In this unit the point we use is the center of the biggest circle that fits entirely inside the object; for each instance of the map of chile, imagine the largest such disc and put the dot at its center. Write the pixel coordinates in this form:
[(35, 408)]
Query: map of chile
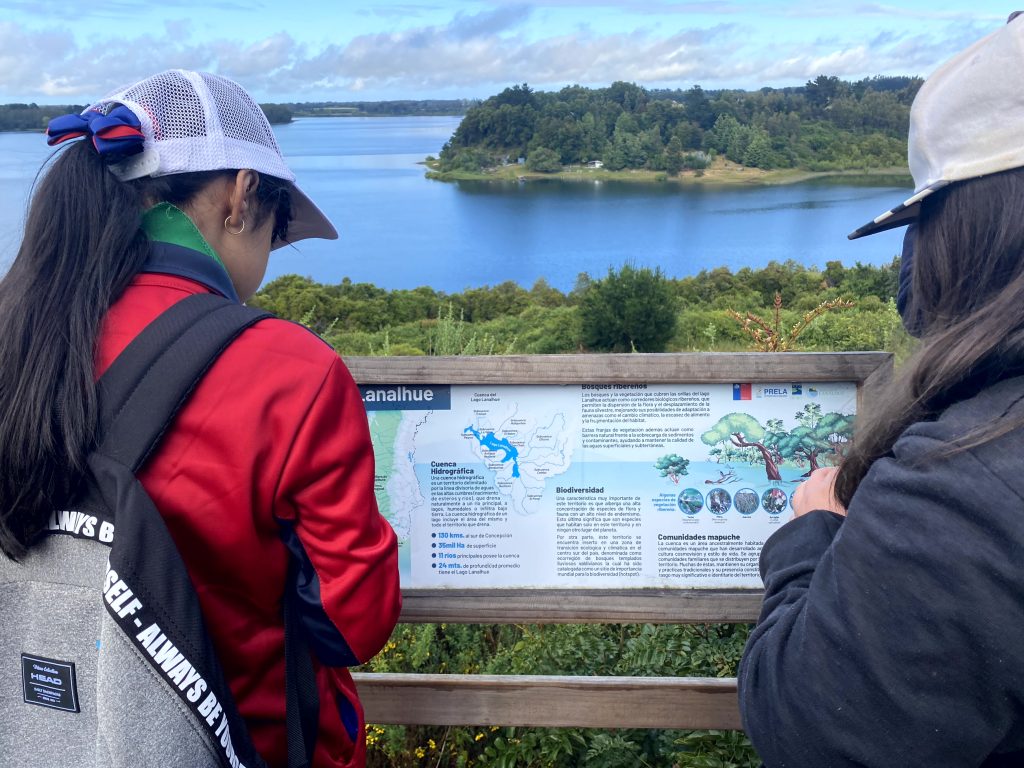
[(491, 443)]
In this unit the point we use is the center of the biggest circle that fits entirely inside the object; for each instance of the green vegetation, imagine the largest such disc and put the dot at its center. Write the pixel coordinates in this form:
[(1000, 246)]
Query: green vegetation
[(770, 336), (34, 117), (632, 308), (277, 113), (635, 650), (544, 160), (827, 125), (403, 108)]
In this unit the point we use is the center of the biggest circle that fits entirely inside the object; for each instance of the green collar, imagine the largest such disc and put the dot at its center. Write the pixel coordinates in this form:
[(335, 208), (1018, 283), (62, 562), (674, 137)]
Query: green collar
[(164, 223)]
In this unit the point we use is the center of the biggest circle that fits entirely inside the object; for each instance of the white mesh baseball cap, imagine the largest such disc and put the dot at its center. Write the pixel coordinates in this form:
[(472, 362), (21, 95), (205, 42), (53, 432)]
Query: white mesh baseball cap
[(966, 121), (195, 121)]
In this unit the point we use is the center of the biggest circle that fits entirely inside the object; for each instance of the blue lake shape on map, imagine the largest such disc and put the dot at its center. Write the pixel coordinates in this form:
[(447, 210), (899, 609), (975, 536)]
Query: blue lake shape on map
[(492, 443)]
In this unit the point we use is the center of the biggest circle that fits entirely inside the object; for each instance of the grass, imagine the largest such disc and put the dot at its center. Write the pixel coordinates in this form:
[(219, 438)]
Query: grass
[(721, 171)]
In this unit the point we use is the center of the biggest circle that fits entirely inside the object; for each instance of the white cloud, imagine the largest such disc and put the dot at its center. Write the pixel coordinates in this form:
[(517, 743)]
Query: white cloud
[(892, 11), (121, 9), (256, 64), (472, 55)]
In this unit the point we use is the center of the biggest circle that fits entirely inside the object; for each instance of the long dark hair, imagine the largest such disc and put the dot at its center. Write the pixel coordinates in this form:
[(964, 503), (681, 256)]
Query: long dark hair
[(967, 297), (82, 246)]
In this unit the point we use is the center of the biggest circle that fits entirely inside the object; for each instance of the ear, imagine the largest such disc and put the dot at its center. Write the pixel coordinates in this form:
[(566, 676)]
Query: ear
[(242, 194)]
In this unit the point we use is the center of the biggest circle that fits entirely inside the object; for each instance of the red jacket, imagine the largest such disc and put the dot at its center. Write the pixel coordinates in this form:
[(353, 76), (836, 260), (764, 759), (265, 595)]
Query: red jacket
[(272, 449)]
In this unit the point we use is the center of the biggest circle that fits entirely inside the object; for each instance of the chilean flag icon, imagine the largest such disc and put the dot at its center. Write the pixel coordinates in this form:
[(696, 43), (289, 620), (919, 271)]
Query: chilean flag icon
[(742, 391)]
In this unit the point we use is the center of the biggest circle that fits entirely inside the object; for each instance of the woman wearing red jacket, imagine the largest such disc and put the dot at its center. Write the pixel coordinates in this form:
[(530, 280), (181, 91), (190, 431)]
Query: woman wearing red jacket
[(179, 188)]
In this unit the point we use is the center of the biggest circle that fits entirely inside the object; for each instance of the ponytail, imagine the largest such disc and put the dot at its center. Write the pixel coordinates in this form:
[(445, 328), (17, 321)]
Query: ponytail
[(82, 245)]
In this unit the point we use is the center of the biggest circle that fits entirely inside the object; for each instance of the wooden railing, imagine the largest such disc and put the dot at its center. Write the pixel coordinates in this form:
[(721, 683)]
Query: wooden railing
[(561, 701)]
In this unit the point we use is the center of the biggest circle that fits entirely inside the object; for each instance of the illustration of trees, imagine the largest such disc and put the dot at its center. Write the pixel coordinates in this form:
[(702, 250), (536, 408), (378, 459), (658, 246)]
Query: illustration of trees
[(726, 454), (672, 466), (803, 444), (774, 430), (744, 431), (836, 429), (817, 434), (809, 416)]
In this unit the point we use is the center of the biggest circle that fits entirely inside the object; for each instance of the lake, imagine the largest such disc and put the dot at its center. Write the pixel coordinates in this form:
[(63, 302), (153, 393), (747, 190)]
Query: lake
[(401, 230)]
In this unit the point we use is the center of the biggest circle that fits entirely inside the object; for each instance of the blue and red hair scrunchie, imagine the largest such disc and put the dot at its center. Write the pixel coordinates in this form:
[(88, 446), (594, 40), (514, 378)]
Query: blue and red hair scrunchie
[(115, 135)]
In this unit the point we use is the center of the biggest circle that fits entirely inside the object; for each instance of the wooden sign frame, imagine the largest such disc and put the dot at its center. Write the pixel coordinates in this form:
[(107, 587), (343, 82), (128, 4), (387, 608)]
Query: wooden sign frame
[(868, 370)]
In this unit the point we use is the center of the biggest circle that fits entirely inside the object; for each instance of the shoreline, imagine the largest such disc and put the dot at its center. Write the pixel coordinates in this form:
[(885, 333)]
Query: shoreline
[(720, 172)]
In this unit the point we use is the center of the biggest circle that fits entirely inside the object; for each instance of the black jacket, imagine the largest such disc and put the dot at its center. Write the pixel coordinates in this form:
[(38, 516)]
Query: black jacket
[(896, 637)]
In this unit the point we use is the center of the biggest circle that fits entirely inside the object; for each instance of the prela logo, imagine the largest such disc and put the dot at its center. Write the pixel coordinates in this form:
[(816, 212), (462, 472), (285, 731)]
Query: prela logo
[(772, 390)]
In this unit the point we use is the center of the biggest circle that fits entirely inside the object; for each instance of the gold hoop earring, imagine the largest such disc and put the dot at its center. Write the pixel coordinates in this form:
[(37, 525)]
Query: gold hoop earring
[(227, 226)]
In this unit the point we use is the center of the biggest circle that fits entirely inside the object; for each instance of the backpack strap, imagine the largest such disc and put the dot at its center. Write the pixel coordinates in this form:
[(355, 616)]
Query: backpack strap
[(302, 697), (143, 389), (139, 396)]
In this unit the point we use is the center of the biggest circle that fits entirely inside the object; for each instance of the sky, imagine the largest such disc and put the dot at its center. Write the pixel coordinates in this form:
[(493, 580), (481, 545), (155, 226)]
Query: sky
[(340, 50)]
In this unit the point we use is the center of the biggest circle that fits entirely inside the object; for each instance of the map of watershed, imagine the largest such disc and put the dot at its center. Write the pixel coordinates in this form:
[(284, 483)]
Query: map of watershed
[(519, 451), (522, 450)]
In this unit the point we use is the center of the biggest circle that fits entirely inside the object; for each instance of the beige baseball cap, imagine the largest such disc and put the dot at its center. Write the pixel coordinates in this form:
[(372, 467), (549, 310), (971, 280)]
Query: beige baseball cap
[(966, 121)]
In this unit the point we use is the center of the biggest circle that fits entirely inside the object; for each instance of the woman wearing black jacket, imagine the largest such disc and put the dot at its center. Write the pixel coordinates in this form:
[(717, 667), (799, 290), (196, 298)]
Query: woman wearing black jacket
[(894, 602)]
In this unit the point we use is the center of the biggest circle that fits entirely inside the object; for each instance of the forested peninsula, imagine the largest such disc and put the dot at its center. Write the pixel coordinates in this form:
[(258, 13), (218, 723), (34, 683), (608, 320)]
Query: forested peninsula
[(626, 131), (34, 117)]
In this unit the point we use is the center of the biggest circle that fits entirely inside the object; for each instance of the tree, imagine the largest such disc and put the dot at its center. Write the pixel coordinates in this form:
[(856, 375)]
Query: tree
[(674, 156), (629, 310), (823, 89), (723, 134), (672, 466), (698, 108), (630, 96), (743, 431), (276, 113), (758, 153), (516, 96), (614, 157), (544, 160)]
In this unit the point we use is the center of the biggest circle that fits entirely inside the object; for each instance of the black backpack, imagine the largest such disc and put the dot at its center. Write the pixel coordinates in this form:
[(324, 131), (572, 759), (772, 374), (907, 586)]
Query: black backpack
[(104, 655)]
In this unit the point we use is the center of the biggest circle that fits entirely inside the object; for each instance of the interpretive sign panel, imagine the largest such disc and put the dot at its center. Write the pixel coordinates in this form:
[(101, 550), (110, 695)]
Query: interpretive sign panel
[(604, 485)]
